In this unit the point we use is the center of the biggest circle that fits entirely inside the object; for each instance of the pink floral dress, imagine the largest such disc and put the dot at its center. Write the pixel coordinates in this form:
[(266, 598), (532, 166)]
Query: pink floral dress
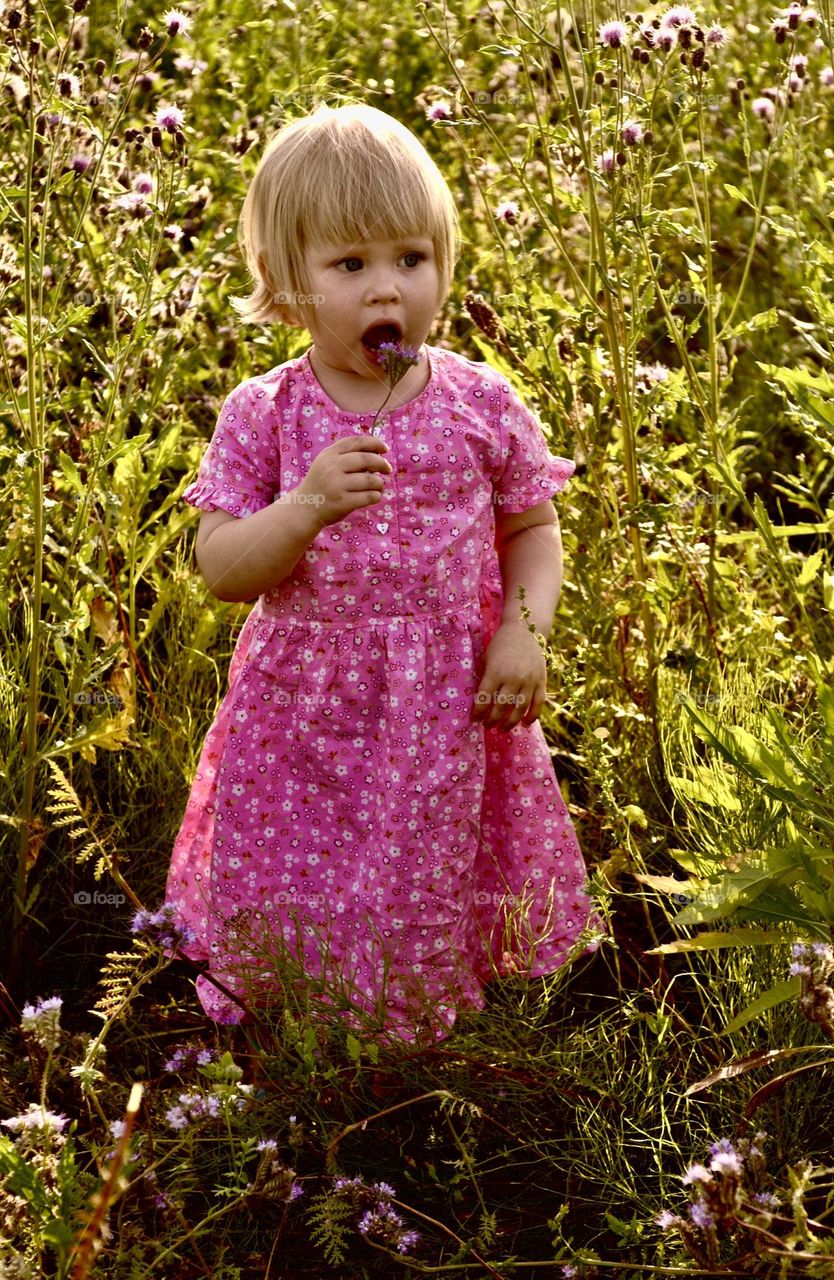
[(343, 785)]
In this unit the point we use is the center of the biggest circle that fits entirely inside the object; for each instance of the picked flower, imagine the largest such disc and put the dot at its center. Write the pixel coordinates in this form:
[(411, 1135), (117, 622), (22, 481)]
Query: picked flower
[(396, 360)]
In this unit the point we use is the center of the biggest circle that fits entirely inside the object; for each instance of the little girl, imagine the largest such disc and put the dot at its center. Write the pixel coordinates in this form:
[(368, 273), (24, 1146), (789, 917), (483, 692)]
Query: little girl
[(375, 794)]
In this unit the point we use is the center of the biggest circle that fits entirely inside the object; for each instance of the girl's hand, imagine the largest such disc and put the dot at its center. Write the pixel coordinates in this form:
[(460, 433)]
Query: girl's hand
[(346, 475), (514, 684)]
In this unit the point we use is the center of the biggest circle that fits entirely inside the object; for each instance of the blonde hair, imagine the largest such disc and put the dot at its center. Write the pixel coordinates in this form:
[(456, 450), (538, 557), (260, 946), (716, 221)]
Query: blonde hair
[(342, 174)]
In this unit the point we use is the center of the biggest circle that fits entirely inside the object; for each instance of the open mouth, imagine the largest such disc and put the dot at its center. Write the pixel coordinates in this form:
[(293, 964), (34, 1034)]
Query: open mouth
[(376, 334)]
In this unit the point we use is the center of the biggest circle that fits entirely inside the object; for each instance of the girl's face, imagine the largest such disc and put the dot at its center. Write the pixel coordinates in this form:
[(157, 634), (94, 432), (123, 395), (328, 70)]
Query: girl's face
[(371, 283)]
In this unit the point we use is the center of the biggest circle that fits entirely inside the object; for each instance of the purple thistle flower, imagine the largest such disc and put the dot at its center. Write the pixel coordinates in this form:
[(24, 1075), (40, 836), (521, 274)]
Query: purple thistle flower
[(632, 132), (296, 1190), (612, 34), (80, 163), (763, 108), (143, 182), (170, 118), (606, 162), (439, 111), (678, 16), (176, 22), (717, 36)]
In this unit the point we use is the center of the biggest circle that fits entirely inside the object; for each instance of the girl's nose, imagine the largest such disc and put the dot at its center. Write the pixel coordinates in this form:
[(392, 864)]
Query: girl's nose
[(383, 289)]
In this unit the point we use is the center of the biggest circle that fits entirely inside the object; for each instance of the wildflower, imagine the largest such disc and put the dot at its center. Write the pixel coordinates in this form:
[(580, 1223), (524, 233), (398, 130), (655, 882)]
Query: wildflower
[(385, 1222), (665, 1219), (798, 969), (143, 182), (607, 161), (632, 132), (482, 314), (170, 118), (192, 1106), (701, 1216), (678, 16), (80, 163), (172, 232), (267, 1144), (507, 211), (439, 111), (793, 13), (726, 1162), (189, 1055), (799, 64), (716, 35), (696, 1173), (763, 108), (160, 926), (612, 34), (795, 83), (117, 1129), (69, 86), (43, 1021), (779, 28), (176, 22), (36, 1117), (648, 375), (396, 359)]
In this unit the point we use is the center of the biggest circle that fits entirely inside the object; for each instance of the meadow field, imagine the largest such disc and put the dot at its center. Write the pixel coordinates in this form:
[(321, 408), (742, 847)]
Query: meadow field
[(646, 204)]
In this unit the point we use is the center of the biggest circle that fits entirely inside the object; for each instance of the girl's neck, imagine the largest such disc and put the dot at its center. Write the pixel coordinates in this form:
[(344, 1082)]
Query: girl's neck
[(359, 395)]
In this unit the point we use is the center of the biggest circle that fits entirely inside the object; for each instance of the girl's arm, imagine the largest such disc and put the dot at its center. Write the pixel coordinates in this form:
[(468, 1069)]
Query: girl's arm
[(241, 558), (513, 687), (529, 548)]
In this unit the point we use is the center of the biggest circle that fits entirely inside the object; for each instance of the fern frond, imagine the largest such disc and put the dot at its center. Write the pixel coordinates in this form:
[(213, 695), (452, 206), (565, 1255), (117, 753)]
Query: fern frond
[(330, 1217), (122, 975), (68, 811)]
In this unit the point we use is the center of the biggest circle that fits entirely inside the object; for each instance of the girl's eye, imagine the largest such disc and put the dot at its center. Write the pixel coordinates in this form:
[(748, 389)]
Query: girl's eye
[(414, 253), (343, 260)]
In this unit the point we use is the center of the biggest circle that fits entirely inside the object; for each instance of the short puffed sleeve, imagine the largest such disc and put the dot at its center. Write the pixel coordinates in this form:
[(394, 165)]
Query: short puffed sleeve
[(240, 470), (530, 473)]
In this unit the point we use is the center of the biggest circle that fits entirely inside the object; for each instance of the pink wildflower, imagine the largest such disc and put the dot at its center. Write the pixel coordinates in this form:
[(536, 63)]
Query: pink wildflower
[(176, 22), (612, 34), (763, 108), (439, 111), (507, 211), (632, 132), (169, 118), (606, 161)]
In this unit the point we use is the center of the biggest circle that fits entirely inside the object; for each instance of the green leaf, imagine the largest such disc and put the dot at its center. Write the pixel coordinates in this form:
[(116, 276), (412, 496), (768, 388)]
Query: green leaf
[(710, 789), (738, 195), (779, 994), (354, 1048), (71, 472), (809, 570), (726, 938)]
